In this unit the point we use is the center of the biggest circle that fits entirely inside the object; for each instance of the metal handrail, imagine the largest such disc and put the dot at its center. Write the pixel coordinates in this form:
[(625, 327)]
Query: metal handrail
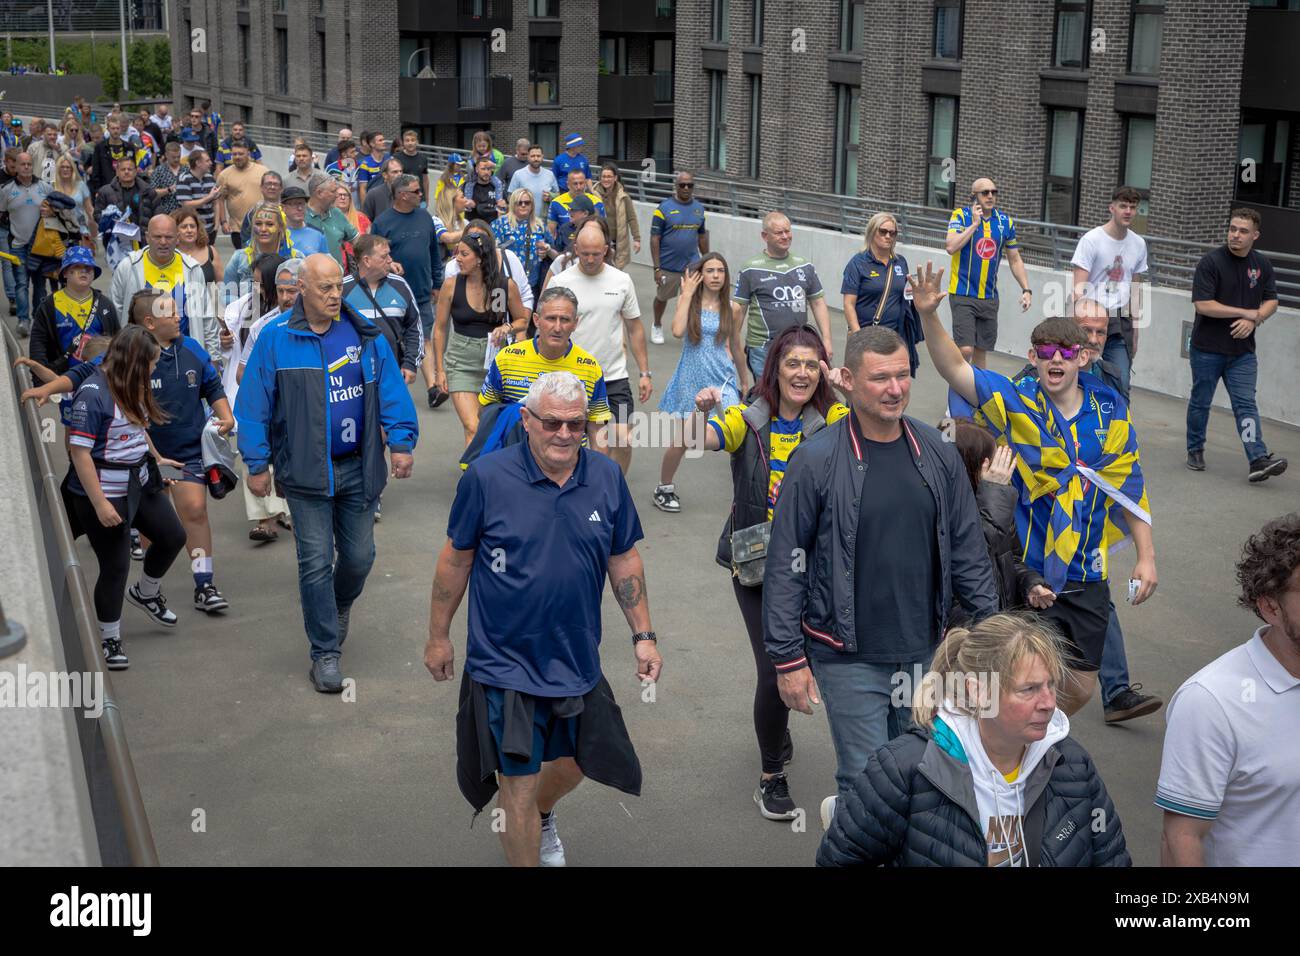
[(103, 741)]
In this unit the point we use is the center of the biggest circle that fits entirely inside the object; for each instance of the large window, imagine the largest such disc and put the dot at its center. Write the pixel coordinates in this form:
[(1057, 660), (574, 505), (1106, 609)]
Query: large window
[(852, 26), (245, 58), (1071, 34), (320, 64), (755, 125), (1264, 157), (282, 62), (661, 143), (188, 46), (472, 72), (543, 8), (613, 55), (545, 135), (947, 29), (717, 120), (1064, 148), (847, 129), (611, 140), (662, 66), (543, 70), (282, 120), (941, 176), (1144, 50), (720, 31), (1139, 149), (756, 13)]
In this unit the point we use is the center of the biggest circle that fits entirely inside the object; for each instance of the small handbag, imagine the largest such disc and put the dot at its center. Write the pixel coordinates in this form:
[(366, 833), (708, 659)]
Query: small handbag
[(749, 553)]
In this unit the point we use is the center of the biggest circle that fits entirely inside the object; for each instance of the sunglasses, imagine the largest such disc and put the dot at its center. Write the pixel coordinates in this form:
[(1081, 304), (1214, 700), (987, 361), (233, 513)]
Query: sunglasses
[(524, 202), (574, 426), (1049, 351), (686, 185), (988, 192), (887, 233)]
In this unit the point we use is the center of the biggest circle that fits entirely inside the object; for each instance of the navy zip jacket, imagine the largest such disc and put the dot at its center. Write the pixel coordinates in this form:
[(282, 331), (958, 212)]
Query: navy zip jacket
[(283, 406)]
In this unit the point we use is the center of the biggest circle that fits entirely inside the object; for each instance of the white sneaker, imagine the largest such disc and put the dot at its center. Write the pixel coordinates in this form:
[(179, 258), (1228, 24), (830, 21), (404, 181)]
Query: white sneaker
[(552, 849), (666, 499), (828, 811), (657, 334)]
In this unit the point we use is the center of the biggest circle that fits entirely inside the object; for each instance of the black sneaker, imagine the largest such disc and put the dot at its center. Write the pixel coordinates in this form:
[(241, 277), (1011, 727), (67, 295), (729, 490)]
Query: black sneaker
[(1196, 460), (1128, 704), (1261, 469), (787, 750), (325, 674), (773, 798), (137, 552), (155, 607), (666, 499), (114, 656), (208, 598), (13, 308)]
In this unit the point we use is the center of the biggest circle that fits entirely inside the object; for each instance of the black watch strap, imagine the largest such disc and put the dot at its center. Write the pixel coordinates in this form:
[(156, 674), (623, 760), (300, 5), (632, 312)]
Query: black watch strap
[(640, 636)]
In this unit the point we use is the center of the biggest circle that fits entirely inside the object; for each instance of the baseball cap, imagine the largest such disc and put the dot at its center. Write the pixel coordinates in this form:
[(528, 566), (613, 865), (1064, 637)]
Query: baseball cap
[(573, 139), (455, 159), (80, 256), (293, 192), (583, 203)]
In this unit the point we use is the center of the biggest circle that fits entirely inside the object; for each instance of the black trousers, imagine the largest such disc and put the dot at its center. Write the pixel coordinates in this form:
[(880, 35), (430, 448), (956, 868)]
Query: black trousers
[(771, 715), (156, 519)]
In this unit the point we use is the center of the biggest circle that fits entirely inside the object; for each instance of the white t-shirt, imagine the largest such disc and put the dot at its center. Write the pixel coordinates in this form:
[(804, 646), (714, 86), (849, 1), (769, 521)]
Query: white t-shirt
[(1232, 755), (1111, 264), (514, 269), (604, 301)]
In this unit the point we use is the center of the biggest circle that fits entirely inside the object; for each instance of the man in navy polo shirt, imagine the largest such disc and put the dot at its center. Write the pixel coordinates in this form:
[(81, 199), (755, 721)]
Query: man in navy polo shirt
[(536, 570)]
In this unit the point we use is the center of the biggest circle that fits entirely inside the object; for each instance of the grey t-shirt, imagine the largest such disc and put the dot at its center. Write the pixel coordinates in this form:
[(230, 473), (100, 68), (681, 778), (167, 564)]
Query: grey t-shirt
[(23, 203), (777, 293)]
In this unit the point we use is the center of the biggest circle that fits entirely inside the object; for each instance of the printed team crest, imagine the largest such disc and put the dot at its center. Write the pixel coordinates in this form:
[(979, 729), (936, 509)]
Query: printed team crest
[(1254, 276), (799, 273), (354, 354), (985, 247), (191, 378), (898, 270)]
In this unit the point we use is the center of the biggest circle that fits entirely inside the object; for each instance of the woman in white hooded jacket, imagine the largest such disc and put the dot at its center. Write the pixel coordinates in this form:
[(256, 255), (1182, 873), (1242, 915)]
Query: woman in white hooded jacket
[(988, 776)]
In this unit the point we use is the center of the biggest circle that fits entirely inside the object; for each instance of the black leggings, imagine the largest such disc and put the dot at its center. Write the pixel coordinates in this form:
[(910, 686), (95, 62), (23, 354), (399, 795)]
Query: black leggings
[(771, 715), (156, 520)]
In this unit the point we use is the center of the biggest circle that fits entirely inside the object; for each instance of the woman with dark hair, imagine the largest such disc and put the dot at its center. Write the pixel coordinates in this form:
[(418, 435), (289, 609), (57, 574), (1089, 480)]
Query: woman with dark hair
[(111, 486), (705, 317), (791, 402), (620, 212), (478, 302)]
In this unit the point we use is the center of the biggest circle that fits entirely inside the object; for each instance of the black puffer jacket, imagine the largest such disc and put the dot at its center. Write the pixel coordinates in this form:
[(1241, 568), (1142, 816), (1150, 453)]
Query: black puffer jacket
[(1011, 576), (914, 805)]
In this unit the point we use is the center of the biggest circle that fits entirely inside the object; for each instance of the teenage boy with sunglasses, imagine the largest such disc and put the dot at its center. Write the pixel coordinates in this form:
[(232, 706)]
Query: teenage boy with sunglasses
[(1080, 483)]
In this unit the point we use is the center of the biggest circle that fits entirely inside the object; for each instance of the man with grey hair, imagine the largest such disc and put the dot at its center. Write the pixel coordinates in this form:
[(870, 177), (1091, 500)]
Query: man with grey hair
[(778, 289), (540, 711), (322, 214)]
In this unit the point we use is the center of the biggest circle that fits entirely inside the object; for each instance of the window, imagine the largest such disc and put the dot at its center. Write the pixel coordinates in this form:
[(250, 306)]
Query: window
[(755, 125), (1277, 4), (281, 120), (1071, 34), (543, 71), (415, 54), (186, 44), (721, 32), (612, 136), (321, 126), (280, 6), (663, 70), (282, 61), (852, 26), (940, 180), (472, 72), (613, 55), (1264, 157), (244, 58), (1064, 146), (717, 120), (1144, 49), (320, 64), (661, 143), (947, 29), (847, 127), (545, 135), (543, 8), (1139, 148), (756, 14)]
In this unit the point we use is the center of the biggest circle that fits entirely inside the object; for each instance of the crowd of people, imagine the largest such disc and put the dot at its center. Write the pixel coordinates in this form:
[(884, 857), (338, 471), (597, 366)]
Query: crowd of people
[(863, 544)]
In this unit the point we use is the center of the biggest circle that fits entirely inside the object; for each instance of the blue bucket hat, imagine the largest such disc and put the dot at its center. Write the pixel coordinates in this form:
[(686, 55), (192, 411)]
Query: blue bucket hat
[(455, 159), (80, 256)]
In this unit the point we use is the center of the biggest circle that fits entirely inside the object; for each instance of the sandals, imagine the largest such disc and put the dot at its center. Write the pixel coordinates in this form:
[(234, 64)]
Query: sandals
[(284, 522), (259, 533)]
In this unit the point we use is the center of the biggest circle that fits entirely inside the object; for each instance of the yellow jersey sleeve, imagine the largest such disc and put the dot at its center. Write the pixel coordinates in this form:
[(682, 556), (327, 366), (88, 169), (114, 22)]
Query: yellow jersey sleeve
[(730, 426)]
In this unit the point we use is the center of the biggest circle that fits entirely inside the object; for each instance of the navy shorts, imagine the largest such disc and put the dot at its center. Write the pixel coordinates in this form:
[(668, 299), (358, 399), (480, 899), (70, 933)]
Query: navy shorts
[(553, 737)]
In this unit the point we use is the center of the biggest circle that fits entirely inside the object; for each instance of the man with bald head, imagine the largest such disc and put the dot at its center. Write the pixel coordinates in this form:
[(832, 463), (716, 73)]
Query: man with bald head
[(977, 236), (21, 198), (327, 445), (164, 268)]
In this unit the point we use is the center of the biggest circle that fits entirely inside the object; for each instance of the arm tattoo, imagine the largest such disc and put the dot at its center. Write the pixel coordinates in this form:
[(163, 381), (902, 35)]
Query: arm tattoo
[(629, 591)]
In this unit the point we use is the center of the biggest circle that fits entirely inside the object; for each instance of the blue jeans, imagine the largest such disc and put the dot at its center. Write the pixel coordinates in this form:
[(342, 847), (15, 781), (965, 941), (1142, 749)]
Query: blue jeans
[(858, 702), (6, 268), (757, 358), (1114, 662), (1116, 352), (21, 279), (322, 526), (1238, 373)]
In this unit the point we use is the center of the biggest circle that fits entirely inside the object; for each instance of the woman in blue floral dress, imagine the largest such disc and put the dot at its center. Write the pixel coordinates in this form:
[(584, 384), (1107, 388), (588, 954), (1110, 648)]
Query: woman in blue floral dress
[(705, 317)]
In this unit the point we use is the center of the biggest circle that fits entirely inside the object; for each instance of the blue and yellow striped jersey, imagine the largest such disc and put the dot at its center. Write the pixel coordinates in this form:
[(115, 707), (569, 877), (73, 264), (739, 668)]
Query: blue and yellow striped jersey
[(975, 265), (1068, 522), (517, 366)]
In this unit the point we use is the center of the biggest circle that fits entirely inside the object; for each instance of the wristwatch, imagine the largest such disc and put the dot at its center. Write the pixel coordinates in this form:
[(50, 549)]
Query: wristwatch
[(640, 636), (647, 375)]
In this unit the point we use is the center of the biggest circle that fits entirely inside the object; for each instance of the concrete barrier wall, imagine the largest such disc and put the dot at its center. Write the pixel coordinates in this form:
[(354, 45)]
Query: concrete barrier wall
[(1160, 365)]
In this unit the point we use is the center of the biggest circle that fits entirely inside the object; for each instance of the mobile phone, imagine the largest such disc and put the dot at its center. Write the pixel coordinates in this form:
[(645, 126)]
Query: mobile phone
[(171, 472), (1133, 586)]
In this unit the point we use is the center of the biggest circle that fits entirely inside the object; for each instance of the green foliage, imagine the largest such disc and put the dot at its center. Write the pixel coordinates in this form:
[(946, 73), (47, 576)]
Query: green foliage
[(148, 60)]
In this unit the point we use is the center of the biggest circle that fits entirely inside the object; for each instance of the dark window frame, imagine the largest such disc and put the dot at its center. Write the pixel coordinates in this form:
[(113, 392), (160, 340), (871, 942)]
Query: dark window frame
[(322, 52), (1279, 190), (935, 160), (716, 119), (720, 21), (1122, 177), (533, 136), (846, 153), (281, 37), (960, 6), (848, 36), (755, 158), (534, 44), (756, 14), (1075, 180), (1072, 6), (550, 5), (1144, 8)]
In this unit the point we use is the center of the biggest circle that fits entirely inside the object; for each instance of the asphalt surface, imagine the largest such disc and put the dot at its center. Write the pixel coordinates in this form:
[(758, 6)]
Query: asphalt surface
[(241, 762)]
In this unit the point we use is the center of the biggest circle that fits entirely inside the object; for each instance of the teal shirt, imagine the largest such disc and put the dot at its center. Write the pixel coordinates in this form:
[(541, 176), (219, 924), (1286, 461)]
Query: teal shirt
[(336, 227)]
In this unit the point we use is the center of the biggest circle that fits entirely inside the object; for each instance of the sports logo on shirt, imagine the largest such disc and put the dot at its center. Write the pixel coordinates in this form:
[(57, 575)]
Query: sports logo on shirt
[(191, 378), (985, 247), (354, 353), (1254, 276)]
